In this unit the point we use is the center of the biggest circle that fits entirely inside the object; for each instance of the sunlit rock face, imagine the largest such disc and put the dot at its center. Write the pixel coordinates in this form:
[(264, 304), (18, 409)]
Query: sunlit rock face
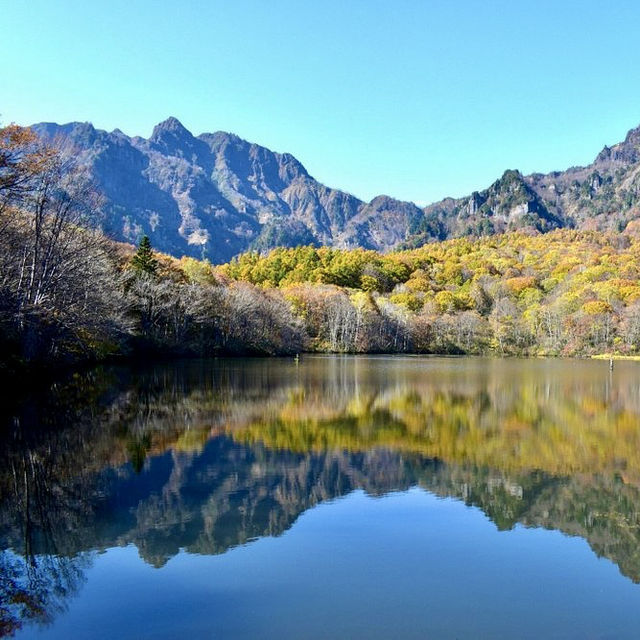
[(211, 196), (216, 195)]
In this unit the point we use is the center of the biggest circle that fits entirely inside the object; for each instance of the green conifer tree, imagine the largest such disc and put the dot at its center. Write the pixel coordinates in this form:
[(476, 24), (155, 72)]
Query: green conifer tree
[(143, 260)]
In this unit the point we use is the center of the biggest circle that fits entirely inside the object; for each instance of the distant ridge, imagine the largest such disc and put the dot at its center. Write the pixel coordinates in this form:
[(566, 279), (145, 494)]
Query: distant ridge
[(216, 195)]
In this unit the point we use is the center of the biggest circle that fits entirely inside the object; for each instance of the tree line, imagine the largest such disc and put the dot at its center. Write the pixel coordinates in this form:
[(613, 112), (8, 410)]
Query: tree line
[(68, 293), (564, 293)]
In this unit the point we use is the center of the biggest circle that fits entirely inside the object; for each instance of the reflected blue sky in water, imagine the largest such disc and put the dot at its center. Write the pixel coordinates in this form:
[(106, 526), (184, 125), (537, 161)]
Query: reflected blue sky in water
[(260, 499), (404, 565)]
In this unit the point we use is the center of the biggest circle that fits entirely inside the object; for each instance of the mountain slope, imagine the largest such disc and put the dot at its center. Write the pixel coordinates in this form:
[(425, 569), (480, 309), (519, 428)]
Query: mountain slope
[(211, 196), (217, 195), (604, 195)]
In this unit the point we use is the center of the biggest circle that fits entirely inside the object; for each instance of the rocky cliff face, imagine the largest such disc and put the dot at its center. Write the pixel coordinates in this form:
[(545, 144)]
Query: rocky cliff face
[(604, 195), (211, 196), (217, 195)]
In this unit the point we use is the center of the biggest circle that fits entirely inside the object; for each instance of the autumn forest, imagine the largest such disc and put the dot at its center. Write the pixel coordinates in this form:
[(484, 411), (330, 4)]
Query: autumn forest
[(68, 293)]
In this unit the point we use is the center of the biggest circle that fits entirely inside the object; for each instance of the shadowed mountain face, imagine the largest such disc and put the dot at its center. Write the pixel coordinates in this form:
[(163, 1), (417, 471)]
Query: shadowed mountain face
[(217, 195)]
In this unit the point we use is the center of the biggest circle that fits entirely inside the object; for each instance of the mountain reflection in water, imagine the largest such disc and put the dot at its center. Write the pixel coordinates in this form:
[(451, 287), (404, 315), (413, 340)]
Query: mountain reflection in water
[(207, 455)]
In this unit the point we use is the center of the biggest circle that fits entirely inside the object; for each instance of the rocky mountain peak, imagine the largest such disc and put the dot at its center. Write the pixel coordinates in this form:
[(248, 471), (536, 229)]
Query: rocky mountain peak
[(82, 132), (170, 135), (633, 136), (510, 178), (171, 125), (217, 195), (626, 152), (291, 167)]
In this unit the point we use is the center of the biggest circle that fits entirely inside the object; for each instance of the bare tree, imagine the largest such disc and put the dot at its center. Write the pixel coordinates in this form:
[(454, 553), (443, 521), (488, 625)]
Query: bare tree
[(56, 272), (23, 157), (630, 326)]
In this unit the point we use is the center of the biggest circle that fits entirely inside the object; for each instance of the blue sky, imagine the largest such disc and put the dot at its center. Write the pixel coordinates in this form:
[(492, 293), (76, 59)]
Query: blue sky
[(414, 99)]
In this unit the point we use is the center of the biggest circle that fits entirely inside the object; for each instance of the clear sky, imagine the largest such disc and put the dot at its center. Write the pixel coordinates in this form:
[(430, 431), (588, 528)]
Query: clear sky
[(417, 99)]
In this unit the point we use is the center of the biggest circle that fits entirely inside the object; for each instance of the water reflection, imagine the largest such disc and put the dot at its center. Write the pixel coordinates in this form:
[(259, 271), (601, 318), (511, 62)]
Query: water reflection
[(204, 456)]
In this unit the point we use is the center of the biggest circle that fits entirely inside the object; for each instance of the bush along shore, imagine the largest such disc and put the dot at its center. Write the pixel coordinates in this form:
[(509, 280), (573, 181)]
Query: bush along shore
[(69, 294)]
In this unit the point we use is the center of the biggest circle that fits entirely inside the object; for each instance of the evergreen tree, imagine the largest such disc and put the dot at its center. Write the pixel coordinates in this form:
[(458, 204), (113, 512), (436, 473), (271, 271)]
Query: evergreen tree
[(143, 260)]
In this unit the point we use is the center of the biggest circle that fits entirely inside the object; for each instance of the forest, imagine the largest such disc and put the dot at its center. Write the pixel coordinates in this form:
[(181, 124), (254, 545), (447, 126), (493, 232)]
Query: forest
[(70, 294)]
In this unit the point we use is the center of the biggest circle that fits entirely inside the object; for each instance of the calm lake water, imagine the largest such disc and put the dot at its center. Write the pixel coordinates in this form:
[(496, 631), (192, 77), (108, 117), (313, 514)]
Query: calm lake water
[(340, 497)]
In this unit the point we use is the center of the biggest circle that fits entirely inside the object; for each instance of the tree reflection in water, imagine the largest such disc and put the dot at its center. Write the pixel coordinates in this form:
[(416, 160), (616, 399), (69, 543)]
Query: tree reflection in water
[(36, 588), (204, 456), (43, 510)]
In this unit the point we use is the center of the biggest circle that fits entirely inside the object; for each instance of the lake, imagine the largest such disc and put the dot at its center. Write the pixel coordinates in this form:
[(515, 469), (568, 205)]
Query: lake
[(334, 497)]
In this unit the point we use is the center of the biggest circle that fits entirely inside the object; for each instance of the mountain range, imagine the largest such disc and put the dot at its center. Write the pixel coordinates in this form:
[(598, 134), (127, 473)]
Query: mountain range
[(216, 195)]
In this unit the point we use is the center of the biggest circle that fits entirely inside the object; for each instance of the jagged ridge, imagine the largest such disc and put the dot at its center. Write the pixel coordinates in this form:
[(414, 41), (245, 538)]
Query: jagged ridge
[(217, 195)]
